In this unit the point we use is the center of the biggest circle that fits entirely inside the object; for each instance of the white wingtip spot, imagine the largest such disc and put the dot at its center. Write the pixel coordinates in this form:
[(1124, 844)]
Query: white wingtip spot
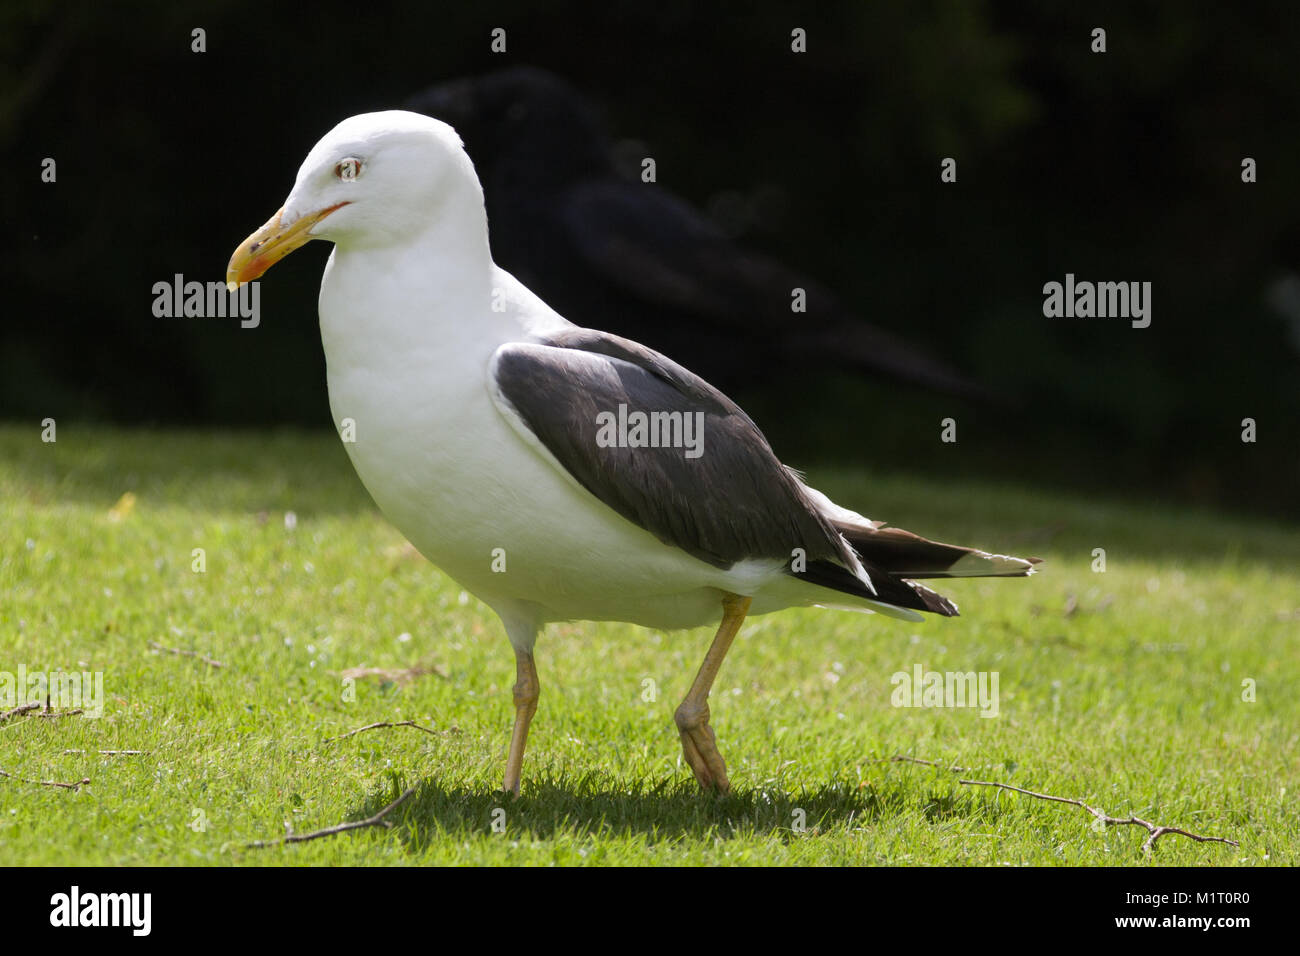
[(979, 564)]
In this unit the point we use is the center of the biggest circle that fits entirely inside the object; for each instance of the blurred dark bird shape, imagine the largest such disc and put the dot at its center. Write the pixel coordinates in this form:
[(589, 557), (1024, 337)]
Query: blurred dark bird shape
[(631, 258)]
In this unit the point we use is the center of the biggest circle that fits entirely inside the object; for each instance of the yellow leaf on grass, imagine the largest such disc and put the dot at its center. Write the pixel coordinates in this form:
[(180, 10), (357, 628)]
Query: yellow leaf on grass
[(122, 510)]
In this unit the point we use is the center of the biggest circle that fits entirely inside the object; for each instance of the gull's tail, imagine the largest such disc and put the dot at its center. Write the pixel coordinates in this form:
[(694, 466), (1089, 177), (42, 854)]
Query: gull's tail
[(907, 555), (893, 558)]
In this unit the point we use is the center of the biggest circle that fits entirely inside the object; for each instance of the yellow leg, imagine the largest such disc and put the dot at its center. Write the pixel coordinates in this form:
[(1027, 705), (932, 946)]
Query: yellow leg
[(698, 742), (527, 690)]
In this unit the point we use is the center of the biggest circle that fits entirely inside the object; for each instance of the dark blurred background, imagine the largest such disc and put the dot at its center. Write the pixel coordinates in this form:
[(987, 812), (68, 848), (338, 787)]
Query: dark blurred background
[(1121, 166)]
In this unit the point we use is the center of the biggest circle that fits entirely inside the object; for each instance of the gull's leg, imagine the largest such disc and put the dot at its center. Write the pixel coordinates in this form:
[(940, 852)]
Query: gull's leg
[(526, 692), (692, 717)]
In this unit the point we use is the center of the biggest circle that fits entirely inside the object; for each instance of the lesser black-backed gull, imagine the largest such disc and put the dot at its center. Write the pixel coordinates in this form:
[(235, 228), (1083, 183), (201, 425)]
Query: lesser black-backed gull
[(488, 426)]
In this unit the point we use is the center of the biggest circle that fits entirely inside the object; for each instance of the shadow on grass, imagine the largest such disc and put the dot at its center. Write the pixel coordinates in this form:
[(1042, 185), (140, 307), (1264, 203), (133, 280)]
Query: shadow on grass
[(594, 806)]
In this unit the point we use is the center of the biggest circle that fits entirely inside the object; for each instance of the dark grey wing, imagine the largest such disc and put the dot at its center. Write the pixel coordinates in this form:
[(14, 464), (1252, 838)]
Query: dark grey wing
[(717, 491)]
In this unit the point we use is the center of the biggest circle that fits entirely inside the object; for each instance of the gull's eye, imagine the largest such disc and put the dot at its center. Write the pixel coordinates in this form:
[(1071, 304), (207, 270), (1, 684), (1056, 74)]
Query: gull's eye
[(348, 169)]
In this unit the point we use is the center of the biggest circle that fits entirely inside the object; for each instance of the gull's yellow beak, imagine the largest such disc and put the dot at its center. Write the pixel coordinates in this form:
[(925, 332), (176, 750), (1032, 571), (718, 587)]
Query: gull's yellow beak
[(269, 245)]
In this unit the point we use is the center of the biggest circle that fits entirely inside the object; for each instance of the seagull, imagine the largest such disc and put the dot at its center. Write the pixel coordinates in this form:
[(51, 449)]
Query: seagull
[(558, 472)]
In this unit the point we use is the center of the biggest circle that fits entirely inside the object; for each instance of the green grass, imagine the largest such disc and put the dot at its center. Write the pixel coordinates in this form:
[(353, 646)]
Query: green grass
[(1131, 701)]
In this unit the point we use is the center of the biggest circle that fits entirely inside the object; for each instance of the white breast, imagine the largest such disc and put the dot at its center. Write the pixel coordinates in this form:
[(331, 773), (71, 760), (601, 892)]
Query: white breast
[(447, 469)]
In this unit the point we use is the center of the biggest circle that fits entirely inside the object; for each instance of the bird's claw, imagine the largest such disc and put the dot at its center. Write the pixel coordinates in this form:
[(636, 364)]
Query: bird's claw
[(700, 748)]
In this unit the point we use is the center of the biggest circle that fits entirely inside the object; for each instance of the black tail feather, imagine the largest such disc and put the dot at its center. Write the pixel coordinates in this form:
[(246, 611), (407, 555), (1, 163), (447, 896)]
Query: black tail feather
[(888, 589), (907, 555), (893, 557)]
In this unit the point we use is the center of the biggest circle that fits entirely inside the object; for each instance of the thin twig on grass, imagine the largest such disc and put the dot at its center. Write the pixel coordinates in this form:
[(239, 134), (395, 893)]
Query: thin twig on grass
[(1154, 832), (398, 675), (111, 753), (37, 705), (382, 723), (48, 783), (176, 650), (375, 821), (20, 709)]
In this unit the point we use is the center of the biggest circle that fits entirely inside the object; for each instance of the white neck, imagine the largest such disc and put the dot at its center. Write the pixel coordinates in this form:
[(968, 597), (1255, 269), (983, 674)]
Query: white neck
[(385, 305)]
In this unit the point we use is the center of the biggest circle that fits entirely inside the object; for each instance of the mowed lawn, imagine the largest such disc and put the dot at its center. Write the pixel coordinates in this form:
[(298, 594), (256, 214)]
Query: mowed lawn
[(1123, 688)]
